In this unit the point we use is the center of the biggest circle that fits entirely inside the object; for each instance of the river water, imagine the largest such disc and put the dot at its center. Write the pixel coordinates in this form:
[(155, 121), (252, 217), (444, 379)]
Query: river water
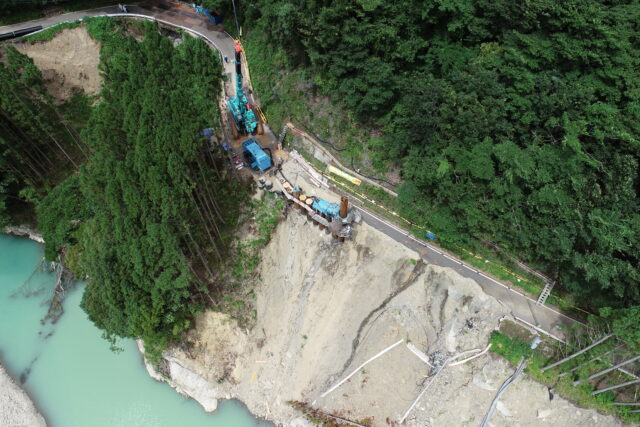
[(69, 370)]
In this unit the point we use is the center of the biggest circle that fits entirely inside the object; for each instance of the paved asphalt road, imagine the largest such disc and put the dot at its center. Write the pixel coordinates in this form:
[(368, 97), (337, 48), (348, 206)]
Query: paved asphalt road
[(222, 41), (524, 308)]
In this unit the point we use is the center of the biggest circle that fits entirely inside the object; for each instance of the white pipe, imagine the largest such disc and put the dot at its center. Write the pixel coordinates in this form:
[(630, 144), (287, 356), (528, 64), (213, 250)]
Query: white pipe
[(472, 357), (424, 390), (418, 353), (360, 367), (475, 350)]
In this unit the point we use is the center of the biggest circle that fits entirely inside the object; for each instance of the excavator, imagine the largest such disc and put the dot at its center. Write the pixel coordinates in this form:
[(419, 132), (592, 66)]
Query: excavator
[(243, 119)]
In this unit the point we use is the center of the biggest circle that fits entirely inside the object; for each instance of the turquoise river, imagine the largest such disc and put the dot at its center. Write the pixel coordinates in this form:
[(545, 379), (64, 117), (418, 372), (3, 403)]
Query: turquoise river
[(69, 370)]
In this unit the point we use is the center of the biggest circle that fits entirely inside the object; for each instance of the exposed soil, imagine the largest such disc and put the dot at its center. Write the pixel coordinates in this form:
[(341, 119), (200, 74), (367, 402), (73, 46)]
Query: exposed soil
[(323, 308), (69, 63)]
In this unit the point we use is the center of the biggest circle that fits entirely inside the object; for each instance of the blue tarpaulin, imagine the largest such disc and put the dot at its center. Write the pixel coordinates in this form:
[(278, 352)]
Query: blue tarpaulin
[(207, 132), (213, 15), (431, 236)]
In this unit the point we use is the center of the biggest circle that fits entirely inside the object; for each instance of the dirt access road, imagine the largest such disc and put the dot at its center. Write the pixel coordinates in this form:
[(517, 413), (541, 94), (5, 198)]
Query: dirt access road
[(547, 319)]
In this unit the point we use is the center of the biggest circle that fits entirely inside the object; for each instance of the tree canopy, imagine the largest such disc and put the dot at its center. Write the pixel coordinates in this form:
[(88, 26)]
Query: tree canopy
[(513, 121), (145, 206), (160, 208), (38, 146)]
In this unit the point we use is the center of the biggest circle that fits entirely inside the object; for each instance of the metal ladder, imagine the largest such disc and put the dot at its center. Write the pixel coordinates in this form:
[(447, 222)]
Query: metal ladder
[(545, 293), (283, 132)]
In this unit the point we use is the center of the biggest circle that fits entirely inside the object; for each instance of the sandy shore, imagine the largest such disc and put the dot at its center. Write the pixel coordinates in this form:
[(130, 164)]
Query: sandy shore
[(16, 408)]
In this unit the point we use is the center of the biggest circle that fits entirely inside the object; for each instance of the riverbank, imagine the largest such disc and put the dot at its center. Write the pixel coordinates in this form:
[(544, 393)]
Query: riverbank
[(68, 369), (16, 407), (24, 231)]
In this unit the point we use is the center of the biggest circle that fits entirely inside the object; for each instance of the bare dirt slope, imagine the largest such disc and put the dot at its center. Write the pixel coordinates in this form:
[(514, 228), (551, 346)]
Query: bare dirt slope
[(69, 63), (324, 307)]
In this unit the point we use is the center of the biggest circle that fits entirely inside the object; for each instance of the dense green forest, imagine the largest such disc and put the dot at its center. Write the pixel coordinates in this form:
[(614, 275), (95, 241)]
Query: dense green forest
[(149, 209), (37, 143), (512, 121)]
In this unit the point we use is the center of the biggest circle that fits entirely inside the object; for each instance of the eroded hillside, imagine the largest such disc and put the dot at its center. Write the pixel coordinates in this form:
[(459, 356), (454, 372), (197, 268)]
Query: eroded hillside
[(323, 308)]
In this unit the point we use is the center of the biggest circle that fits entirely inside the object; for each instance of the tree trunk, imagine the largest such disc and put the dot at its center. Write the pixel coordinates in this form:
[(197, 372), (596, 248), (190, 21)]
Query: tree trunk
[(197, 247), (204, 223)]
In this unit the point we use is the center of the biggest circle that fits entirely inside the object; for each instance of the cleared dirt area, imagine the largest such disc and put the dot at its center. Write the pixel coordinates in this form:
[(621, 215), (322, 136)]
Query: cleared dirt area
[(69, 63)]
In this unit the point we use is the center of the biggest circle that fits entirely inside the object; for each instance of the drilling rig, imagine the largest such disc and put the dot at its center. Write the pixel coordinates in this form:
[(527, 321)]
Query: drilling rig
[(243, 118)]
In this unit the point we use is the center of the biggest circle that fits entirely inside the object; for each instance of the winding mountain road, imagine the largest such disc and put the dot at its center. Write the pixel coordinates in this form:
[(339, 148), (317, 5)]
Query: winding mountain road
[(524, 308), (182, 18)]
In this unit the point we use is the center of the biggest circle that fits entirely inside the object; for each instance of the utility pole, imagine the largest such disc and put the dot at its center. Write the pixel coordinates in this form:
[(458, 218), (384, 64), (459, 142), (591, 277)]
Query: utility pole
[(235, 15), (613, 387)]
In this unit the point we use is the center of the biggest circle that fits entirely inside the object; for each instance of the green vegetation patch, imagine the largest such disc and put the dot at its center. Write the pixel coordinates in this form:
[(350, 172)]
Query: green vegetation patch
[(559, 380), (287, 92), (49, 33), (13, 12), (260, 218), (39, 145), (22, 16), (162, 206), (144, 205)]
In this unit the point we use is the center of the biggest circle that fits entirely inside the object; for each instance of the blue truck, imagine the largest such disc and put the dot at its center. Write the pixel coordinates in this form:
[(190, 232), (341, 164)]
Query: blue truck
[(255, 155)]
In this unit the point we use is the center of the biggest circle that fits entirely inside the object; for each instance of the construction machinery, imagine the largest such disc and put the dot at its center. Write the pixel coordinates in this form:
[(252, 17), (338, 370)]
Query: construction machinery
[(243, 117), (336, 219), (255, 156)]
